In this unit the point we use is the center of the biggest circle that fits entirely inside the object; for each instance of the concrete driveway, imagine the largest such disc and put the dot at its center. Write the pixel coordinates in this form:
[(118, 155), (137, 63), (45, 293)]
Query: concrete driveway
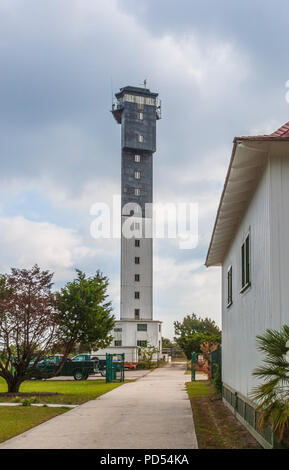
[(129, 375), (152, 413)]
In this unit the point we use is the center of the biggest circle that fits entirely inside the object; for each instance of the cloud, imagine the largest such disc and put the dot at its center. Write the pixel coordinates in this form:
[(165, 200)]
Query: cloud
[(183, 288), (218, 74), (25, 243)]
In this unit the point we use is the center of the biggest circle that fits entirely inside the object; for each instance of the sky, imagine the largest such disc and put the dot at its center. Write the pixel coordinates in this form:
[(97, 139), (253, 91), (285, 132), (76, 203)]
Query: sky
[(220, 68)]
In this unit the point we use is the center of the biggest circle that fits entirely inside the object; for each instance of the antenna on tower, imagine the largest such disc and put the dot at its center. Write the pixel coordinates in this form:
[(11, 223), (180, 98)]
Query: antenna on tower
[(145, 82), (112, 97)]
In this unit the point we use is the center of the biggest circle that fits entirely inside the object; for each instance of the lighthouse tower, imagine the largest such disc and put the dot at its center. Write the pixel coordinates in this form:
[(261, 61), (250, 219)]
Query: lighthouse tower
[(136, 110)]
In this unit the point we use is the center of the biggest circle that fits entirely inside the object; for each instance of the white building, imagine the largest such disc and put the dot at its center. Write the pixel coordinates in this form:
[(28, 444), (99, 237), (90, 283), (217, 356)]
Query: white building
[(137, 111), (251, 242)]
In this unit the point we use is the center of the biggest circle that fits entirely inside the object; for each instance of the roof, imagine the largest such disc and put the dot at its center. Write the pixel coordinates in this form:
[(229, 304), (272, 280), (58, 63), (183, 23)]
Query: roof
[(248, 159), (135, 91)]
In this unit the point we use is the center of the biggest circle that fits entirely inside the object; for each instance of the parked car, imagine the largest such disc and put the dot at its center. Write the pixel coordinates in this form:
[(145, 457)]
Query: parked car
[(79, 369), (100, 363)]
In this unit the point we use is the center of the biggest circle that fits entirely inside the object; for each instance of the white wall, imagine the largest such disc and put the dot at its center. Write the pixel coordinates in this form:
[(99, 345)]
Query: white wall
[(250, 312), (129, 269), (129, 335), (130, 354), (266, 303), (279, 204)]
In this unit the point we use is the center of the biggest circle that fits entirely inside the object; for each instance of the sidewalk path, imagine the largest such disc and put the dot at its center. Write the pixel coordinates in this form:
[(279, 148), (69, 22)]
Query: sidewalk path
[(152, 413)]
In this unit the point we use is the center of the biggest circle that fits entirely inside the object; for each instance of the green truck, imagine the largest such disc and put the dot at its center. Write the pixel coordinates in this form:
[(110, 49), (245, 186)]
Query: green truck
[(76, 367)]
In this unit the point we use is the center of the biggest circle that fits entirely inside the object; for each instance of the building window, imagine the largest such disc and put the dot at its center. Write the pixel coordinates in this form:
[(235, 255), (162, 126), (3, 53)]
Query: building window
[(137, 192), (140, 138), (117, 330), (140, 116), (160, 328), (136, 277), (137, 243), (246, 263), (117, 343), (137, 158), (229, 287), (136, 295), (142, 327), (136, 260), (136, 313), (135, 226), (137, 175), (141, 343)]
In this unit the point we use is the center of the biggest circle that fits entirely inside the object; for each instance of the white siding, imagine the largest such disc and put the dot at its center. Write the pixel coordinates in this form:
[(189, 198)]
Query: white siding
[(266, 303), (250, 311), (129, 335), (279, 199), (128, 271)]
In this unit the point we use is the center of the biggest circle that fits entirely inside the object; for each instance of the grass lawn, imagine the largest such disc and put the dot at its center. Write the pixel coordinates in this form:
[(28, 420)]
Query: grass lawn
[(15, 420), (215, 426), (70, 392)]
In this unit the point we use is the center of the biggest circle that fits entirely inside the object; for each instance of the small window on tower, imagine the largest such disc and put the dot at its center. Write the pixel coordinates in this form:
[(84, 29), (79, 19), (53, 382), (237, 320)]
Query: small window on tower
[(136, 277), (137, 192), (137, 243), (137, 175), (140, 138), (137, 158), (136, 295), (117, 343), (136, 260), (141, 343), (136, 313), (140, 116)]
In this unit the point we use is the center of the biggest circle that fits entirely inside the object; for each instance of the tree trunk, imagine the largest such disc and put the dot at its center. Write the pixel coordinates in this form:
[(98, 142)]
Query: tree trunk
[(14, 384)]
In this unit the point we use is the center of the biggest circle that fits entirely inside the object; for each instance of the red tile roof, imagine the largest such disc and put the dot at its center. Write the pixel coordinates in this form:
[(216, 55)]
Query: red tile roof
[(280, 134)]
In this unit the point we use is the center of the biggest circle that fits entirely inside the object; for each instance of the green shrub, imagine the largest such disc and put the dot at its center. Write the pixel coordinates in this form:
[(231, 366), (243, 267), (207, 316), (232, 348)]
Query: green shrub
[(142, 365), (217, 379)]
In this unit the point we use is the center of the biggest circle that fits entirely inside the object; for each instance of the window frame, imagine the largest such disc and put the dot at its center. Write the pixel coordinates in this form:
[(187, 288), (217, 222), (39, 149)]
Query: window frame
[(136, 260), (137, 174), (136, 278), (246, 262), (142, 327), (136, 313), (137, 158), (137, 192), (229, 286), (117, 341), (137, 295)]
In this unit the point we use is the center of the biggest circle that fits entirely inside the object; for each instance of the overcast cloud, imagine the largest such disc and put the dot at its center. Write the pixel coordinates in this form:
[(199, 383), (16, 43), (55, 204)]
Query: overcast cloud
[(220, 68)]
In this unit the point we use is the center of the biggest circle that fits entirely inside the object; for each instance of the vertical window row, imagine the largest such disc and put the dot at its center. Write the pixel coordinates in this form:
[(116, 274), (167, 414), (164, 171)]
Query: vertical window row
[(245, 271)]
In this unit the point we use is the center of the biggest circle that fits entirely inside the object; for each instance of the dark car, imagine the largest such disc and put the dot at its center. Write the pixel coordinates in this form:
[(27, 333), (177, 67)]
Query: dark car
[(100, 364), (79, 369)]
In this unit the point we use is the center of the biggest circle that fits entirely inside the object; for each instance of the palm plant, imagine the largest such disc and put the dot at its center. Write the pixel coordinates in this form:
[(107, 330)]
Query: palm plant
[(272, 395)]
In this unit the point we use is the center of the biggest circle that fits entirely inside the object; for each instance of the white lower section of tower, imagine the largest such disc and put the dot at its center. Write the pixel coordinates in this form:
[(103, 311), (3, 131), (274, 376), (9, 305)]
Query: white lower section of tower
[(136, 327), (136, 274)]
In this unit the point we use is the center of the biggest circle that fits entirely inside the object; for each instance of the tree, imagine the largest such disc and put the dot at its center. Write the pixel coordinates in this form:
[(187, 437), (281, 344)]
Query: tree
[(167, 343), (27, 322), (272, 395), (34, 321), (146, 354), (84, 313), (194, 331)]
